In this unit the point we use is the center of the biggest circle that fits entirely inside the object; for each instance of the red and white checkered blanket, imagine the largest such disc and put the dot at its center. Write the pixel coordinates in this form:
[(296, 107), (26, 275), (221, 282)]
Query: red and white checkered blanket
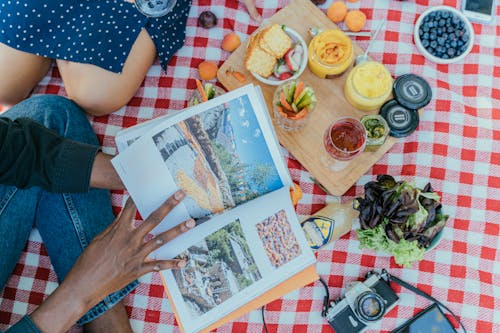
[(456, 148)]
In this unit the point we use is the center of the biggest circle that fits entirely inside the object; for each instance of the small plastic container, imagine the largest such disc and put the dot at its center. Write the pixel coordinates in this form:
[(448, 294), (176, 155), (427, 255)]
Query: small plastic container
[(377, 131), (327, 42), (368, 86)]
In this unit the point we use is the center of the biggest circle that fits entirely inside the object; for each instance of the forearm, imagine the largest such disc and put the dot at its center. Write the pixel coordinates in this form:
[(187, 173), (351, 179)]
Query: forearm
[(61, 309), (103, 174)]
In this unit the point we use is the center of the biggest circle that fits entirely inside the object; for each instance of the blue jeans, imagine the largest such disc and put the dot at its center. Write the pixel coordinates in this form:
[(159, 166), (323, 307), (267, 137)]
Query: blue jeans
[(66, 222)]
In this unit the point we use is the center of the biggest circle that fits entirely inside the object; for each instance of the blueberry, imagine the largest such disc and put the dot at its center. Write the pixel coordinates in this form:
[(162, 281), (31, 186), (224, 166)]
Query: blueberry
[(439, 54), (442, 22), (447, 44), (465, 37), (455, 19), (425, 35), (425, 43), (432, 36), (451, 52), (444, 56), (430, 24), (444, 35), (439, 31), (433, 44), (453, 44), (460, 43), (440, 41), (445, 14), (426, 28), (450, 29)]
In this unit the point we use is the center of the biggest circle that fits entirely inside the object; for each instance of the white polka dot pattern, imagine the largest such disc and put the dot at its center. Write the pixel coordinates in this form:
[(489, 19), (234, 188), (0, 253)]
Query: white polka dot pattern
[(89, 31)]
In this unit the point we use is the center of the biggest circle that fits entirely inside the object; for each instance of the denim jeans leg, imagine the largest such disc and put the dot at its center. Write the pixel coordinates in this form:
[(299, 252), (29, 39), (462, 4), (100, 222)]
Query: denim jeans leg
[(17, 215), (68, 222)]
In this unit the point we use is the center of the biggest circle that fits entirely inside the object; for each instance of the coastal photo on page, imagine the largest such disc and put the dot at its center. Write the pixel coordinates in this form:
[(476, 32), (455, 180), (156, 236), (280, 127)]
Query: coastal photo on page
[(219, 158), (218, 267)]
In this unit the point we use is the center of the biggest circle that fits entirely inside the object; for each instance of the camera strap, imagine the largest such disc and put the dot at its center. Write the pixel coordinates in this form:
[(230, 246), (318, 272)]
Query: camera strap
[(423, 294)]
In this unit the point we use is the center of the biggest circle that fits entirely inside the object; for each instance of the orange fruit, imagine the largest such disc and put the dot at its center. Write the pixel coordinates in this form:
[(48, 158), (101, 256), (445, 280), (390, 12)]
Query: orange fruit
[(355, 20), (207, 70), (352, 0), (337, 11), (295, 194), (231, 42)]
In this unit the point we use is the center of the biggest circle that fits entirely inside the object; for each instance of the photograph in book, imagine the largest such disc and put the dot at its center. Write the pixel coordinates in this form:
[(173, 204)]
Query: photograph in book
[(219, 158), (278, 239), (217, 268)]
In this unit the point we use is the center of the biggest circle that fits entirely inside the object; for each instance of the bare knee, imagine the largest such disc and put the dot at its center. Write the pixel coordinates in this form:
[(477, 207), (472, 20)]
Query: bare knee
[(9, 96), (98, 102)]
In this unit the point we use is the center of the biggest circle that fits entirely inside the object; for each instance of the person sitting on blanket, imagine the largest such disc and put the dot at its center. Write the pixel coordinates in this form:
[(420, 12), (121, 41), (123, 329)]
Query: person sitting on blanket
[(103, 49), (53, 174)]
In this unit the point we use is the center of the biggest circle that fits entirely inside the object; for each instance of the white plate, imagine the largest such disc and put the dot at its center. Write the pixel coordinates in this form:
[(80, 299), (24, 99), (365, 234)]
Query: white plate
[(429, 56), (296, 38)]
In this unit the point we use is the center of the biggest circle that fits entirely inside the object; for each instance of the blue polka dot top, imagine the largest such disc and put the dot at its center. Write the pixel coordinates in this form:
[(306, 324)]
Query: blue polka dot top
[(98, 32)]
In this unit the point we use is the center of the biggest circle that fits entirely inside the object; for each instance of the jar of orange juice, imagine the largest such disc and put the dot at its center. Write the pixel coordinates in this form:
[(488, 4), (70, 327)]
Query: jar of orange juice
[(368, 86), (330, 53)]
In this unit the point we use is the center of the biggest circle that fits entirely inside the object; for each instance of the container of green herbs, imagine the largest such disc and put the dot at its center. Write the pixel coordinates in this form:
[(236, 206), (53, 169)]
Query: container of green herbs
[(377, 130)]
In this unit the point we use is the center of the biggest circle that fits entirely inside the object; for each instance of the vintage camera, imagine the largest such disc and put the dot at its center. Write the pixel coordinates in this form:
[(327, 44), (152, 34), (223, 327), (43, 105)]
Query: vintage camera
[(363, 304)]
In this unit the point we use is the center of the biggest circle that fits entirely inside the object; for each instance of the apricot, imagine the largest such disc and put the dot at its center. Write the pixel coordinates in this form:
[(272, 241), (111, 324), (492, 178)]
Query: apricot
[(231, 42), (207, 70), (337, 11), (295, 193), (355, 20)]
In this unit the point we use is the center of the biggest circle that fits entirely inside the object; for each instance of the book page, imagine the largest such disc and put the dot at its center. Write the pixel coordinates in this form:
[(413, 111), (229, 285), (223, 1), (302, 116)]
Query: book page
[(222, 153), (236, 257)]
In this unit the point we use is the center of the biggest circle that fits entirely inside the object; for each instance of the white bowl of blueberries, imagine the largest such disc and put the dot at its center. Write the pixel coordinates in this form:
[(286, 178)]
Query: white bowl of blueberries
[(443, 35)]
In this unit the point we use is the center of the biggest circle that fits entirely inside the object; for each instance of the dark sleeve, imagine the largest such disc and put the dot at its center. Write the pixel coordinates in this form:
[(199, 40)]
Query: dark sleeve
[(25, 325), (33, 155)]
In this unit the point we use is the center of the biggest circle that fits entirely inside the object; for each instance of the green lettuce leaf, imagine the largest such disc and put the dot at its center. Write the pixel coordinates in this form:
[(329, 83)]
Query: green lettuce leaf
[(405, 253)]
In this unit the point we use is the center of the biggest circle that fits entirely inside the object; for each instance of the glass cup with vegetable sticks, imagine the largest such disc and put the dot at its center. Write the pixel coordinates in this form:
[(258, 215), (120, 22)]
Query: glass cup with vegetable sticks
[(204, 92), (293, 103)]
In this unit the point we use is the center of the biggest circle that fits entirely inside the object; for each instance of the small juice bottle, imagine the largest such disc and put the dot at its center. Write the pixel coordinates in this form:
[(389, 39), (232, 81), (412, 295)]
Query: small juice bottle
[(329, 224)]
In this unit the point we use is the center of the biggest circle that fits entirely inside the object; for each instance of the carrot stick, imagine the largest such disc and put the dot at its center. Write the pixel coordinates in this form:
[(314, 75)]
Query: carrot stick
[(201, 90), (298, 90), (284, 102), (240, 77), (237, 75)]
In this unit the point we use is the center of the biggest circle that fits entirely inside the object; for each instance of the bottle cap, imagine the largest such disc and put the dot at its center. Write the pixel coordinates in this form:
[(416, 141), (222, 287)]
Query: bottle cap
[(155, 8), (402, 121), (412, 91)]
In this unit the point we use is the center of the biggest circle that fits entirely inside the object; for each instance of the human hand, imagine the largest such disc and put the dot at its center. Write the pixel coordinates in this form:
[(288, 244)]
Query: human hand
[(252, 10), (115, 257), (103, 174)]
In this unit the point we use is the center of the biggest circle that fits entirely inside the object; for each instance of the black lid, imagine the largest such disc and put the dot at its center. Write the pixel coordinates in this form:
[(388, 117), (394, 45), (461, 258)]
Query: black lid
[(401, 121), (412, 91)]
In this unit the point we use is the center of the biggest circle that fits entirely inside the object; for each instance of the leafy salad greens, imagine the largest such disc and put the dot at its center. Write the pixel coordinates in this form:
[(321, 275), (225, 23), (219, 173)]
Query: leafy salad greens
[(399, 218)]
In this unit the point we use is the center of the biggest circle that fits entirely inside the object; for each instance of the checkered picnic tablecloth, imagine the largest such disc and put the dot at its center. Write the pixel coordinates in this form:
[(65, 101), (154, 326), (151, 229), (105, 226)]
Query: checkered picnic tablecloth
[(456, 148)]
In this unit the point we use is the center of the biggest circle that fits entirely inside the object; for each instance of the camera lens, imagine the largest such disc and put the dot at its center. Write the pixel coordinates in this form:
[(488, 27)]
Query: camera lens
[(370, 306)]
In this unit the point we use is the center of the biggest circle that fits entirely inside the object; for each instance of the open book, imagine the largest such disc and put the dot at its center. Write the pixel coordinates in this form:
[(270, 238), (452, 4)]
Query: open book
[(225, 156)]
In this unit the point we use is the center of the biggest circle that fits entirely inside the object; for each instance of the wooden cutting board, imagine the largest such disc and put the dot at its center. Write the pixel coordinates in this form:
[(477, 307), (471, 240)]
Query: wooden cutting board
[(306, 145)]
